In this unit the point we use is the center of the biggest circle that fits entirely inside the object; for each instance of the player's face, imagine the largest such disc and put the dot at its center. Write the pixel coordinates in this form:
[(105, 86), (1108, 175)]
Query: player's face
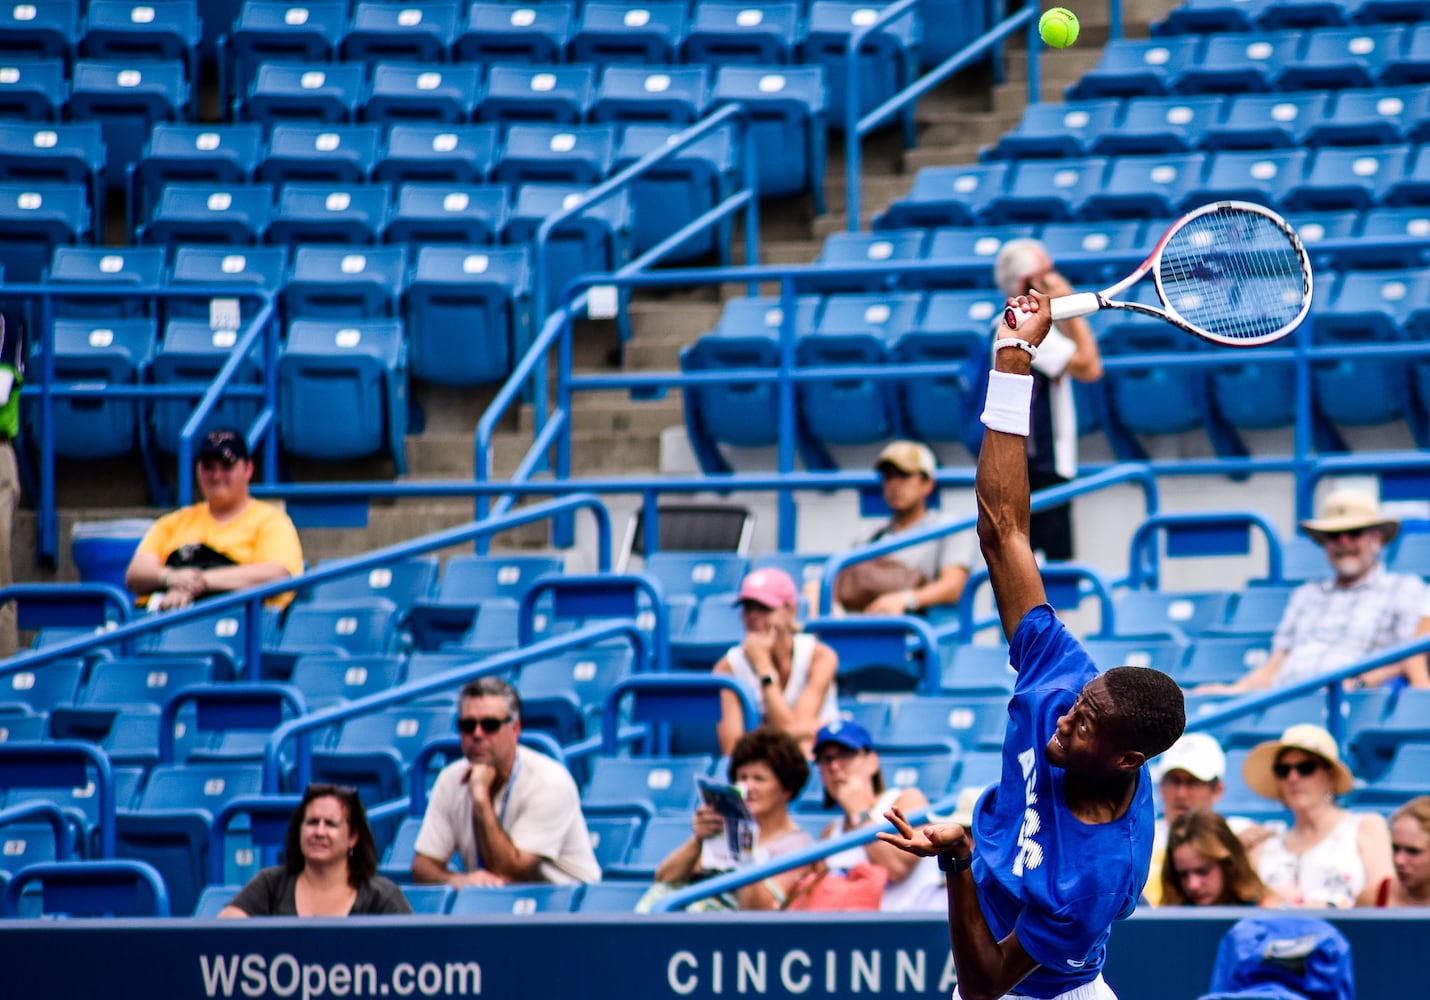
[(1201, 878), (1082, 741), (326, 834), (1353, 554), (904, 492), (764, 795), (1181, 793), (1410, 850), (481, 747)]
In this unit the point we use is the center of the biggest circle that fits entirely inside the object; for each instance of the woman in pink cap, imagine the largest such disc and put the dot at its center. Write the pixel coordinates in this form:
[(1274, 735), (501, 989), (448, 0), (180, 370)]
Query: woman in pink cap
[(789, 674)]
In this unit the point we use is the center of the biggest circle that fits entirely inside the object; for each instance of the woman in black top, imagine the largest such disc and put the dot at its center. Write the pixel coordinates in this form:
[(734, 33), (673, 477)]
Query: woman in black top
[(329, 869)]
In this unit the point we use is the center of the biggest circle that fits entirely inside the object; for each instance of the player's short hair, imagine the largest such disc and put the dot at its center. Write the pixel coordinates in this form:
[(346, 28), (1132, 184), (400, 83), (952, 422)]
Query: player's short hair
[(1149, 708), (778, 750)]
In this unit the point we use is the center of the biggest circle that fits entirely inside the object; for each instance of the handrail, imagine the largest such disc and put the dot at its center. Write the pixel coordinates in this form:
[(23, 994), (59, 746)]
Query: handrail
[(251, 599), (52, 814), (857, 128), (1043, 499), (445, 680), (1387, 465), (819, 850), (57, 756), (1145, 559), (71, 594), (656, 684)]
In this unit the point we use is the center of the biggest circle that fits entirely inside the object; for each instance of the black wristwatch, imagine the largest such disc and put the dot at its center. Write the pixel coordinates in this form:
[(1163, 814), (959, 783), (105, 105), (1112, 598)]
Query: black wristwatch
[(766, 680), (951, 864)]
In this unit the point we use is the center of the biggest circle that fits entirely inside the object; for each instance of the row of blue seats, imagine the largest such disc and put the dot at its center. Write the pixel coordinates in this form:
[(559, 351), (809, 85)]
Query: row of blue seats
[(1328, 178), (100, 29), (1314, 59), (1182, 124), (1203, 16)]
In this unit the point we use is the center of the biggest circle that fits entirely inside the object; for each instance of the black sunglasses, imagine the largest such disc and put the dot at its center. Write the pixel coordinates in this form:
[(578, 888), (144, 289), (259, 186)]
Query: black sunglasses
[(1351, 533), (1304, 768), (489, 726)]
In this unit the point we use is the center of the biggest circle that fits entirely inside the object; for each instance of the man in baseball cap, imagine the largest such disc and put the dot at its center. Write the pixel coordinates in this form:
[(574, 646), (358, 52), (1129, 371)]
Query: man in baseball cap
[(1362, 609)]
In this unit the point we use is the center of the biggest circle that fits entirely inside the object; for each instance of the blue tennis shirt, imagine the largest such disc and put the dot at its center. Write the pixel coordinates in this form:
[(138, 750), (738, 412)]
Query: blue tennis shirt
[(1040, 871)]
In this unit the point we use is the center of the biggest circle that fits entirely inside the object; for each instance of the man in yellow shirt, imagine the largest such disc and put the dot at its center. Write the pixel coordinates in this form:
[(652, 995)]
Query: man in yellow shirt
[(228, 542)]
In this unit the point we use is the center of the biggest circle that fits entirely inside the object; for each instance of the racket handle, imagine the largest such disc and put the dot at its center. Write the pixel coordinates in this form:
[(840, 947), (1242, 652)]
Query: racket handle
[(1064, 307)]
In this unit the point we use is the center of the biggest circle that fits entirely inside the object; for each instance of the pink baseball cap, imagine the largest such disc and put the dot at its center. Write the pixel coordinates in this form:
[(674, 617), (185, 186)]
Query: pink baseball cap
[(771, 587)]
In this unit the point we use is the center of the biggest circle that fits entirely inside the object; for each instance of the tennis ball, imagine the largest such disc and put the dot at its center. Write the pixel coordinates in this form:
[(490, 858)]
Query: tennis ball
[(1058, 27)]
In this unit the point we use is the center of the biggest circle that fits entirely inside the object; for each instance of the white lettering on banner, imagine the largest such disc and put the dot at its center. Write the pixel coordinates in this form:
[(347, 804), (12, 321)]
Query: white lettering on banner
[(909, 972), (831, 972), (684, 985), (717, 970), (845, 972), (949, 979), (750, 972), (864, 971), (792, 983), (258, 976), (1030, 852)]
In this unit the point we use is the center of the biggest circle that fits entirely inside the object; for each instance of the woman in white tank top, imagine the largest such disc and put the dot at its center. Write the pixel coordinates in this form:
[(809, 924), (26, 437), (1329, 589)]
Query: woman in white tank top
[(789, 675)]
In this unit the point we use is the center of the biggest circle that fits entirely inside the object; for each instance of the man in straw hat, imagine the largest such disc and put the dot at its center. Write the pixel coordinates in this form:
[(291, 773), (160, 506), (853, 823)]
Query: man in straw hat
[(1363, 608), (1064, 838)]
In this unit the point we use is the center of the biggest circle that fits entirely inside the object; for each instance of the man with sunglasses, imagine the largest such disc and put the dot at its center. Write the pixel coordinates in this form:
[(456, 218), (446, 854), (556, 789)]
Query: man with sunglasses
[(228, 542), (509, 813), (1363, 608)]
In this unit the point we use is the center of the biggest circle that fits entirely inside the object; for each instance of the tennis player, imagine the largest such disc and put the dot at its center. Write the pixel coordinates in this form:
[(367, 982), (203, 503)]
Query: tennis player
[(1064, 838)]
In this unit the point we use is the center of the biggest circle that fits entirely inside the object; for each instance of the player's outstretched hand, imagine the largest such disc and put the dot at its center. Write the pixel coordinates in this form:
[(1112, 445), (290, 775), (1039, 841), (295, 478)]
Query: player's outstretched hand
[(927, 840)]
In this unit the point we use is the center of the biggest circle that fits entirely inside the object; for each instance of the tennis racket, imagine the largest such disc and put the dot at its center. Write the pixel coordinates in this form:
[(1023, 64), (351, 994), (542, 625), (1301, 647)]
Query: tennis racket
[(1230, 272)]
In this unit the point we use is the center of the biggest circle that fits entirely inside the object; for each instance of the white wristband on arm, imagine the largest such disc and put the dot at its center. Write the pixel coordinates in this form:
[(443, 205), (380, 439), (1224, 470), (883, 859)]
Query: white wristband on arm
[(1009, 404)]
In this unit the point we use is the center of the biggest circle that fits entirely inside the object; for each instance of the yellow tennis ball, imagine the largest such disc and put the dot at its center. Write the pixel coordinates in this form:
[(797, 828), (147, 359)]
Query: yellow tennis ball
[(1058, 27)]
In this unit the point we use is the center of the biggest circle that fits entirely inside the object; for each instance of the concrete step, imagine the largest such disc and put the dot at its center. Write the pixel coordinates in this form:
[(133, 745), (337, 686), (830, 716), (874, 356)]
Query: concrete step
[(616, 413)]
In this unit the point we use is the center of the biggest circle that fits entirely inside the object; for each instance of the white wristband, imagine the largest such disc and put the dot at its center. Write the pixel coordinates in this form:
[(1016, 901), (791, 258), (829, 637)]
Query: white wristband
[(1008, 407), (1018, 342)]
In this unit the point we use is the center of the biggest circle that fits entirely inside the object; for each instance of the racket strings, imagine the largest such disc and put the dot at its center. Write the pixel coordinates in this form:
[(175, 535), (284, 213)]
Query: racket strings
[(1235, 274)]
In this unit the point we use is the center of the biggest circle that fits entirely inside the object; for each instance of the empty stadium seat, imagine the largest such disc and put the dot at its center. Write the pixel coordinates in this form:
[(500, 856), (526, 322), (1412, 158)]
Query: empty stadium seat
[(887, 61), (946, 196), (1267, 121), (514, 900), (468, 581), (418, 33), (438, 153), (1223, 659), (129, 30), (597, 240), (788, 105), (1378, 742), (559, 94), (846, 248), (297, 92), (970, 670), (1059, 130), (1236, 63), (217, 154), (116, 266), (1363, 307), (625, 33), (97, 352), (613, 896), (1340, 58), (670, 95), (969, 253), (1348, 177), (32, 89), (332, 154), (1087, 252), (468, 312), (1410, 64), (1210, 16), (679, 189), (1146, 612), (43, 31), (335, 283), (403, 582), (404, 92), (1258, 609), (67, 154), (375, 751), (659, 784), (111, 887), (564, 694), (556, 154), (56, 683), (954, 329), (224, 636), (447, 213), (722, 33), (501, 32), (1375, 117), (340, 214), (1261, 176), (127, 98), (352, 366), (272, 31), (1137, 67), (35, 218), (235, 214), (970, 722), (1165, 654), (1149, 125)]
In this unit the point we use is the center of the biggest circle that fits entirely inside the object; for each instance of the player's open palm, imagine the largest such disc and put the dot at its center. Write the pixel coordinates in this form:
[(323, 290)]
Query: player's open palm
[(927, 840)]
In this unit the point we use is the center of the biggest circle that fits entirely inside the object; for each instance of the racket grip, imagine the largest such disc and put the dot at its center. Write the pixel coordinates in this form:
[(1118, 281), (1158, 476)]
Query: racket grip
[(1064, 307)]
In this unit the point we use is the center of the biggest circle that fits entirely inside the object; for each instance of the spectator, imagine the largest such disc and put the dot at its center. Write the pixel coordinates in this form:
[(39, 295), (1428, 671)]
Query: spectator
[(912, 580), (1206, 865), (12, 373), (1363, 608), (228, 542), (1069, 352), (1410, 853), (789, 674), (1189, 776), (772, 769), (1329, 856), (329, 865), (508, 812), (854, 785)]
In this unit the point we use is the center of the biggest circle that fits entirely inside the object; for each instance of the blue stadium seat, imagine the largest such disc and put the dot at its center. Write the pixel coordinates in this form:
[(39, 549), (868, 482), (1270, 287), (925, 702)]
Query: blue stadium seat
[(946, 196), (358, 367), (32, 89), (1363, 307), (108, 352), (887, 61), (1260, 176), (1404, 778), (127, 99), (954, 329), (130, 30), (1269, 723), (663, 785), (215, 154), (405, 92), (235, 214), (1060, 130), (649, 33), (433, 900), (1238, 63), (1267, 121), (1412, 64), (413, 32), (1412, 554), (16, 726), (333, 154), (672, 95), (1137, 68), (696, 575), (1190, 613), (845, 248), (854, 329), (295, 92), (711, 627), (514, 900), (273, 31), (67, 154), (1275, 15), (326, 679), (1253, 396), (502, 32), (1258, 609), (448, 213), (612, 896), (402, 582), (375, 751), (958, 312), (118, 266), (971, 722), (115, 887), (1140, 187), (215, 898), (969, 253), (743, 414), (54, 684), (460, 154), (1082, 248), (468, 309), (723, 33), (143, 682), (556, 154), (1375, 117), (1414, 187), (1378, 743), (366, 626), (559, 94), (659, 836), (564, 694), (596, 240), (466, 584), (1223, 659), (679, 189), (970, 670), (1330, 239), (1348, 178), (342, 214), (1152, 125), (1340, 58), (1158, 652), (223, 636), (1205, 17), (788, 105), (1046, 191), (41, 30), (331, 282)]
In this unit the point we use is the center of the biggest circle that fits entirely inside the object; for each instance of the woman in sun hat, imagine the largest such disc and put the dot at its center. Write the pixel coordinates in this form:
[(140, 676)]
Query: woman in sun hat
[(1329, 856)]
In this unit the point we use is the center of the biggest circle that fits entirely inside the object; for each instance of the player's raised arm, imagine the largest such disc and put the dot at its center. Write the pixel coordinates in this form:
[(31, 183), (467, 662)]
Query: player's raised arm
[(1002, 481)]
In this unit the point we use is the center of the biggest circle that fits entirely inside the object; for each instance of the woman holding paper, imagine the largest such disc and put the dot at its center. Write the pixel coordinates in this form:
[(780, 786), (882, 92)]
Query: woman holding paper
[(771, 769)]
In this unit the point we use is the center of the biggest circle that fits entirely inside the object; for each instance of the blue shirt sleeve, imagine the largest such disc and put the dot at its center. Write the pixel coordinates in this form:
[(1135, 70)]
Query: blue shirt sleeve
[(1046, 655)]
